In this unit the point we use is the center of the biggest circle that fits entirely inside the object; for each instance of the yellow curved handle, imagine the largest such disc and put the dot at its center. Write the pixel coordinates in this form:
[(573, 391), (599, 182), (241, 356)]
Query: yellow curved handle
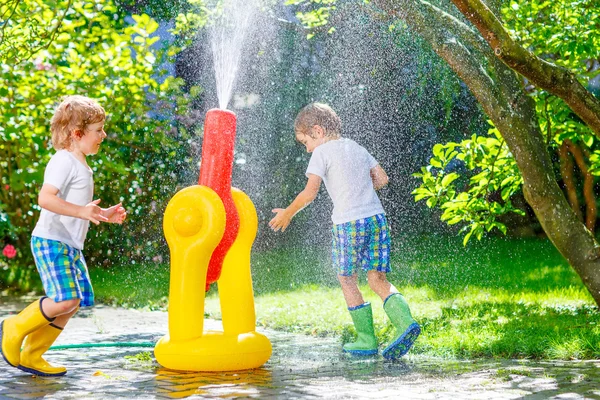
[(235, 284), (194, 223)]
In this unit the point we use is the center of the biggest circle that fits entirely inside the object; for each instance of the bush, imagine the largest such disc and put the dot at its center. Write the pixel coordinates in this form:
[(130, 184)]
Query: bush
[(97, 53)]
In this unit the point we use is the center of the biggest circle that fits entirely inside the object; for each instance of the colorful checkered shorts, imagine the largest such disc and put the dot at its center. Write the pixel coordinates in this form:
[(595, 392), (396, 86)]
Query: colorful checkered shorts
[(364, 242), (63, 271)]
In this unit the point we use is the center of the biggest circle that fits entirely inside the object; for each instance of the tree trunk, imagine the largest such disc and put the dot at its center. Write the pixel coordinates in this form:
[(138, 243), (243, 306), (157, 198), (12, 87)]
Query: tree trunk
[(513, 113)]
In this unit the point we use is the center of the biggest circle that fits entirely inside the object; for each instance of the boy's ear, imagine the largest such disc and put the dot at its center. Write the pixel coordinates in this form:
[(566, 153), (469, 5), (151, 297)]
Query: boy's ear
[(318, 131), (77, 133)]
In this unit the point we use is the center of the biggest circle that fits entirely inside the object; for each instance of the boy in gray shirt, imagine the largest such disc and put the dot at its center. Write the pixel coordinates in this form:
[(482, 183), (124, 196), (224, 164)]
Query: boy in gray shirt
[(360, 230)]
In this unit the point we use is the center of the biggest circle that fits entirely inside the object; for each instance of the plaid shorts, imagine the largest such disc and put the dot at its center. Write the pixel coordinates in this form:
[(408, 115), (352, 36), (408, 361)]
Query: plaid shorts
[(63, 271), (364, 242)]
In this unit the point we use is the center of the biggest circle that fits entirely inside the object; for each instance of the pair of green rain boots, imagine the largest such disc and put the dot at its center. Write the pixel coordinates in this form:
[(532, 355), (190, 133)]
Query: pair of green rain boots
[(407, 329), (40, 333)]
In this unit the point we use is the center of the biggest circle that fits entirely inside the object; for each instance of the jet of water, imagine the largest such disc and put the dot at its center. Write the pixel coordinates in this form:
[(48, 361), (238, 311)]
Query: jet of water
[(228, 31)]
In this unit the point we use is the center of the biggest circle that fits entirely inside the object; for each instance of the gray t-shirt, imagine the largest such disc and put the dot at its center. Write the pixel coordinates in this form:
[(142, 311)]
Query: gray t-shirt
[(75, 184), (345, 168)]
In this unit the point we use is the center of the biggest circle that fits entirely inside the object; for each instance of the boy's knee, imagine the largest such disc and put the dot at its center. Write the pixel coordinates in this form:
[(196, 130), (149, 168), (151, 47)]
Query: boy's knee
[(73, 304), (376, 278), (348, 280), (67, 306)]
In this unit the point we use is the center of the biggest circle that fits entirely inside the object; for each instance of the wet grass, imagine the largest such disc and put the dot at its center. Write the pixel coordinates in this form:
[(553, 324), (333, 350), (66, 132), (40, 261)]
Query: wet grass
[(499, 298), (135, 287)]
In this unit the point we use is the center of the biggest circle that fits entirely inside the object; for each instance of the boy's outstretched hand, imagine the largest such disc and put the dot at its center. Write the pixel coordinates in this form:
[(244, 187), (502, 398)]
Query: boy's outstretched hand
[(115, 214), (281, 220), (284, 216), (92, 212)]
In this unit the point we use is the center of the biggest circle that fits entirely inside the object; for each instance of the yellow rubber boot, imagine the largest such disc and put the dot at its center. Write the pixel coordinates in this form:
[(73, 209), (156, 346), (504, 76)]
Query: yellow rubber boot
[(37, 343), (14, 329)]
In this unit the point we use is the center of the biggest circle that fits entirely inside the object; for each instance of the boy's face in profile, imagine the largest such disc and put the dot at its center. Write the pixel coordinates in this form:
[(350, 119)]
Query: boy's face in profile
[(310, 142), (93, 135)]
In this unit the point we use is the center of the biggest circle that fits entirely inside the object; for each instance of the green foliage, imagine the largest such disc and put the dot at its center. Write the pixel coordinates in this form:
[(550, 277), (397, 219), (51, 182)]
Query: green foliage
[(143, 358), (430, 70), (189, 22), (157, 9), (117, 63), (492, 169), (314, 14), (562, 32), (28, 26)]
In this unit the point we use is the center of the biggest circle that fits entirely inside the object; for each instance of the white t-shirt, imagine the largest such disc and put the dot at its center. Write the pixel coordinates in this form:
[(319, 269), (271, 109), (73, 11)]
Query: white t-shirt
[(75, 184), (345, 168)]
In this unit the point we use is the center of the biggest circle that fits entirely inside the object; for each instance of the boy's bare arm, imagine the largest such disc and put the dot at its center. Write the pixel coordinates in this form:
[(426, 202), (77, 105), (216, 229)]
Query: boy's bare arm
[(49, 200), (284, 216), (379, 177)]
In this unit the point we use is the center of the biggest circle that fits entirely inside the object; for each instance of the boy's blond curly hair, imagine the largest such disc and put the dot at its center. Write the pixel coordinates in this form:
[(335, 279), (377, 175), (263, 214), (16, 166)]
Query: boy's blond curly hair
[(75, 112), (318, 114)]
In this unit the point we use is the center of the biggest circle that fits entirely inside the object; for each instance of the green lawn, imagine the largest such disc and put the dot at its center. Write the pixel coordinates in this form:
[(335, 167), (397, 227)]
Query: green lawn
[(498, 298)]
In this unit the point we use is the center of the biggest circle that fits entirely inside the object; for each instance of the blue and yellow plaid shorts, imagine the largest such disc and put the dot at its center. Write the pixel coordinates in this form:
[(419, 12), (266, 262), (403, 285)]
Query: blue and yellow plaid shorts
[(364, 242), (63, 271)]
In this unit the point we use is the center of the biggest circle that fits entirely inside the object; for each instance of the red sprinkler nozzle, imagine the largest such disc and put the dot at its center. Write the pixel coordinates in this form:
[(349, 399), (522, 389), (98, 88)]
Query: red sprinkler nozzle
[(215, 172)]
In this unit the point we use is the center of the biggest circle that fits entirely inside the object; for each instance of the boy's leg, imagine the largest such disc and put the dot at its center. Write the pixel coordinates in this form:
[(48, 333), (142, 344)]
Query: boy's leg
[(396, 308), (362, 317), (65, 278), (38, 342), (394, 305), (352, 294), (380, 285), (347, 241), (61, 310)]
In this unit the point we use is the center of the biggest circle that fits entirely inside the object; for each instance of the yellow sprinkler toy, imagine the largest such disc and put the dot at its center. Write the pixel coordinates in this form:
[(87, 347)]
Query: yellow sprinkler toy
[(210, 229)]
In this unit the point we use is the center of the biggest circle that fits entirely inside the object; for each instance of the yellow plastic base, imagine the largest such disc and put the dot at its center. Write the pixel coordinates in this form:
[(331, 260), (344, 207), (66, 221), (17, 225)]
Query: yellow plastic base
[(214, 351)]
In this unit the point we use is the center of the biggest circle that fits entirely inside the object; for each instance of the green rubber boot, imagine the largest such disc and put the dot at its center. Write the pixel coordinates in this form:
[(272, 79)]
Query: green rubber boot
[(366, 343), (407, 329)]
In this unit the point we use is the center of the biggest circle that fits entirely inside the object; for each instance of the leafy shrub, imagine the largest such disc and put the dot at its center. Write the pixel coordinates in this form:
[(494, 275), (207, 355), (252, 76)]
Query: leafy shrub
[(96, 53)]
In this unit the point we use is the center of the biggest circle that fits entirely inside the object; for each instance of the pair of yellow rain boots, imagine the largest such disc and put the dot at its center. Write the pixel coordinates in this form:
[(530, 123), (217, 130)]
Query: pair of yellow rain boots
[(40, 333)]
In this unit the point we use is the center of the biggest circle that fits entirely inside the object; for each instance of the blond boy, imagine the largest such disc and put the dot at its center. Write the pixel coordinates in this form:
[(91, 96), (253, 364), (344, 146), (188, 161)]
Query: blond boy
[(360, 230), (66, 199)]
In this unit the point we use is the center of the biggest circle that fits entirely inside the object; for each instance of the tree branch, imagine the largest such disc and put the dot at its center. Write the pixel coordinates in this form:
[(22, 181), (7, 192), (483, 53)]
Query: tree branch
[(566, 170), (556, 80), (588, 185)]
